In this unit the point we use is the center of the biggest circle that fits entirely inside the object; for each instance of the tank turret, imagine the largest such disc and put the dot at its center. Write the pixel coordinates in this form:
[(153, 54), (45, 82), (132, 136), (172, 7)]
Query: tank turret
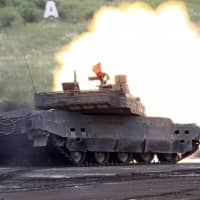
[(107, 99)]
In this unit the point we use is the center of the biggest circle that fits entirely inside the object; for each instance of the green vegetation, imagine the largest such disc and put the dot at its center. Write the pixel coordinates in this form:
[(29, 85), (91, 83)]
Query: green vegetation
[(27, 41), (7, 16)]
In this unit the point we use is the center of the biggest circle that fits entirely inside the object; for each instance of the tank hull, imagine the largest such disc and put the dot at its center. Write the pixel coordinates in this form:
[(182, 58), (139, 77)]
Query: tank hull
[(89, 134), (112, 133)]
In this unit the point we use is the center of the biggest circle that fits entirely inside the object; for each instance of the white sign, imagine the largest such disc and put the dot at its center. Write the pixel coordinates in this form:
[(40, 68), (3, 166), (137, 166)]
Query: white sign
[(50, 10)]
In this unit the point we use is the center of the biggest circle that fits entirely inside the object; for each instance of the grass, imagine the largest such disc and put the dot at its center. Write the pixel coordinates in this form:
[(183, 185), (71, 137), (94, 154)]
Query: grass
[(35, 44), (31, 45)]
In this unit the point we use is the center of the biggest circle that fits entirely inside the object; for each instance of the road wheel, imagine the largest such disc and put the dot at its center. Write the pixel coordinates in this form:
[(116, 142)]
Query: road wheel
[(169, 157), (77, 157), (101, 158), (144, 157), (124, 157)]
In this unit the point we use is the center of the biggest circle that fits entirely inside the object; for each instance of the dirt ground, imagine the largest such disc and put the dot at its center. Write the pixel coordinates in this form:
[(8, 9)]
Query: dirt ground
[(153, 182)]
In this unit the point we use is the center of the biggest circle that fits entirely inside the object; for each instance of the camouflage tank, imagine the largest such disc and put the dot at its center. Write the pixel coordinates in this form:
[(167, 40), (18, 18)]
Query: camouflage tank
[(102, 126)]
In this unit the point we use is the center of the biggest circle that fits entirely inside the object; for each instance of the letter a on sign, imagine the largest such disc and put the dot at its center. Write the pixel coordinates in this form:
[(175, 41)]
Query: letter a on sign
[(50, 10)]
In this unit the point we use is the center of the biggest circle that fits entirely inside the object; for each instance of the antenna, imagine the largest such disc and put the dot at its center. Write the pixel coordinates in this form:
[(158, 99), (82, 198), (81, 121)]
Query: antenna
[(76, 85), (29, 73), (75, 80)]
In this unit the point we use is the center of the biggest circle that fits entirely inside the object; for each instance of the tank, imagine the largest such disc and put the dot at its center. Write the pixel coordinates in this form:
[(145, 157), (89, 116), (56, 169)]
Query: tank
[(101, 127)]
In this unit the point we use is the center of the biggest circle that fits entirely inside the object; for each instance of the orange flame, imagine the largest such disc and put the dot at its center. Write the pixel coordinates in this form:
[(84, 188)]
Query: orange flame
[(157, 48)]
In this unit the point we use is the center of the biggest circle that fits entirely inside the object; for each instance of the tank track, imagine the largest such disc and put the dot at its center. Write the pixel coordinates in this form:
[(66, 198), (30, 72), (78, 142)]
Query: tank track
[(89, 159)]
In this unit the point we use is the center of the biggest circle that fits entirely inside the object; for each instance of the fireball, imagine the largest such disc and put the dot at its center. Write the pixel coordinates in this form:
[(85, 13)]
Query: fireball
[(157, 48)]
